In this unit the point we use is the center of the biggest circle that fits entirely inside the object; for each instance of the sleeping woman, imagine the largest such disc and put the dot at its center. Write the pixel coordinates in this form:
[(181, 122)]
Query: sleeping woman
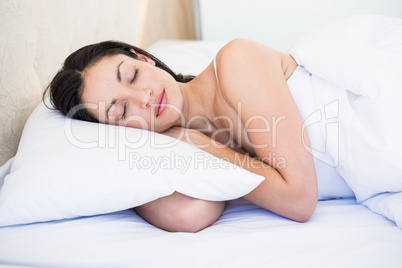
[(243, 108)]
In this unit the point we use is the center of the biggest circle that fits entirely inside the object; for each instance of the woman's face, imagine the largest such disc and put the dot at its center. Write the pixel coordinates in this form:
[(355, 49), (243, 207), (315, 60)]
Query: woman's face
[(121, 90)]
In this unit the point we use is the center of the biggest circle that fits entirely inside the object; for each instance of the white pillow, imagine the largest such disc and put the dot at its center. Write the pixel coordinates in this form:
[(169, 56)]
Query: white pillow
[(66, 168), (186, 57)]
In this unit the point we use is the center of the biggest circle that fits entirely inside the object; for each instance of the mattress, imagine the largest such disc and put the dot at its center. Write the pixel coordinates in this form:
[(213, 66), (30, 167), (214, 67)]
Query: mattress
[(341, 233)]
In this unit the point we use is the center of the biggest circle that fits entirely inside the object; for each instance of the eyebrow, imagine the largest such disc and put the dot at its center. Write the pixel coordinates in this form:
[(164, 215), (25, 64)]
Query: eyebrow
[(114, 100), (109, 107), (118, 72)]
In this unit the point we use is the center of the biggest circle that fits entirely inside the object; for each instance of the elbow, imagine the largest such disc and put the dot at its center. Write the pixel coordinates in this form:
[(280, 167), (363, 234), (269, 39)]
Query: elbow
[(303, 216), (197, 215), (305, 198), (304, 208)]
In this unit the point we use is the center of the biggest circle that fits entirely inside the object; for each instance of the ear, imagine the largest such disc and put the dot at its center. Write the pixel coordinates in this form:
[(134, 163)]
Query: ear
[(143, 57)]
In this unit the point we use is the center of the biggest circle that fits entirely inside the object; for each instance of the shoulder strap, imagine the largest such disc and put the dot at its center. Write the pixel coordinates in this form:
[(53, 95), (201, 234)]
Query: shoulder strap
[(216, 74)]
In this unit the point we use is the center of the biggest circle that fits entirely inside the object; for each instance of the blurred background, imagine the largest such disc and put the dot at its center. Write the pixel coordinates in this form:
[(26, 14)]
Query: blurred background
[(154, 20)]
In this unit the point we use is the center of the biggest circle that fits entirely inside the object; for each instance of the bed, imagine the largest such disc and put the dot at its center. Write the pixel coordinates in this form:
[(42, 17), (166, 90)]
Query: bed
[(341, 233), (91, 224)]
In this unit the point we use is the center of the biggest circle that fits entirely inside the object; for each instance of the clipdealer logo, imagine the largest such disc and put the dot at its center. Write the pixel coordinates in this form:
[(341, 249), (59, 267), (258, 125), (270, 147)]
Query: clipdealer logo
[(328, 117), (118, 138)]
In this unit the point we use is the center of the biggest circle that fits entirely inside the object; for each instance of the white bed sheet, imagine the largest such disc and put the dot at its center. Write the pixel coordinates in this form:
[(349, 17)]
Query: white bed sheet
[(341, 233)]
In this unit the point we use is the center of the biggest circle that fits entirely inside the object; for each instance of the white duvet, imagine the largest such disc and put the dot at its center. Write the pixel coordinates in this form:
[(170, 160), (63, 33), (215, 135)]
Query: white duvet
[(356, 61)]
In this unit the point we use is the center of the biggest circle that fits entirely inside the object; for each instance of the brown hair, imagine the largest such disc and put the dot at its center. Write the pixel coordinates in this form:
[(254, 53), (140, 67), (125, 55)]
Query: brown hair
[(66, 88)]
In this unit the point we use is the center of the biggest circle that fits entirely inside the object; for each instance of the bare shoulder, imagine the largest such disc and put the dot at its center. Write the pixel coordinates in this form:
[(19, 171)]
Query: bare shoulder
[(247, 70), (252, 79), (253, 55), (245, 46)]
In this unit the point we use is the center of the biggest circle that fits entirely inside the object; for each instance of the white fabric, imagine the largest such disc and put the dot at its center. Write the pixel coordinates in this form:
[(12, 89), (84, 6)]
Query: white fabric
[(357, 78), (67, 168), (330, 183), (5, 170), (341, 233), (359, 53)]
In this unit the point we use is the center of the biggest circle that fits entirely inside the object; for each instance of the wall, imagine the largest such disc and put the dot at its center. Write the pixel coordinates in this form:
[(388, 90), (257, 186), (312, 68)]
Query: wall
[(36, 37), (279, 23), (165, 19)]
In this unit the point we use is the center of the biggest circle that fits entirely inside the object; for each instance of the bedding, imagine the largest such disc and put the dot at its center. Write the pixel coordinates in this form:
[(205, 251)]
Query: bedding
[(355, 61), (31, 193), (65, 168), (358, 53), (341, 233)]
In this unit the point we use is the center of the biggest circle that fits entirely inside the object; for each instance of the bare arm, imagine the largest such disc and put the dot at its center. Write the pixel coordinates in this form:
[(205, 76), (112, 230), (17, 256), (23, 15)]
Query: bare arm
[(266, 195), (253, 75)]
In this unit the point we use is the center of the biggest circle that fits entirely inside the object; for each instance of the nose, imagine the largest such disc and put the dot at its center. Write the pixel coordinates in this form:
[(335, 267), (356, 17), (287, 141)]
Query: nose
[(142, 97)]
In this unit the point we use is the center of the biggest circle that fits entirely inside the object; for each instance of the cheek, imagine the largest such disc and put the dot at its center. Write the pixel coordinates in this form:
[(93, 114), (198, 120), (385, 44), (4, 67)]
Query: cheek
[(139, 122)]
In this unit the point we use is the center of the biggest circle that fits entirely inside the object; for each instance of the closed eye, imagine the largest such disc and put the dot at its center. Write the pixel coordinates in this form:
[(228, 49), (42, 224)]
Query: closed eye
[(123, 116), (135, 76)]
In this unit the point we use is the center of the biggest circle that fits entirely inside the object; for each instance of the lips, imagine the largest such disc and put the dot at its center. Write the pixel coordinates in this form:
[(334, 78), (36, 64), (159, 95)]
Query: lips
[(160, 103)]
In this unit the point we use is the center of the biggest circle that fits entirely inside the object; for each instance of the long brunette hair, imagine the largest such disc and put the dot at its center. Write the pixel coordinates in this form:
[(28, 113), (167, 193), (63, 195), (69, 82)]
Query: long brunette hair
[(66, 88)]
